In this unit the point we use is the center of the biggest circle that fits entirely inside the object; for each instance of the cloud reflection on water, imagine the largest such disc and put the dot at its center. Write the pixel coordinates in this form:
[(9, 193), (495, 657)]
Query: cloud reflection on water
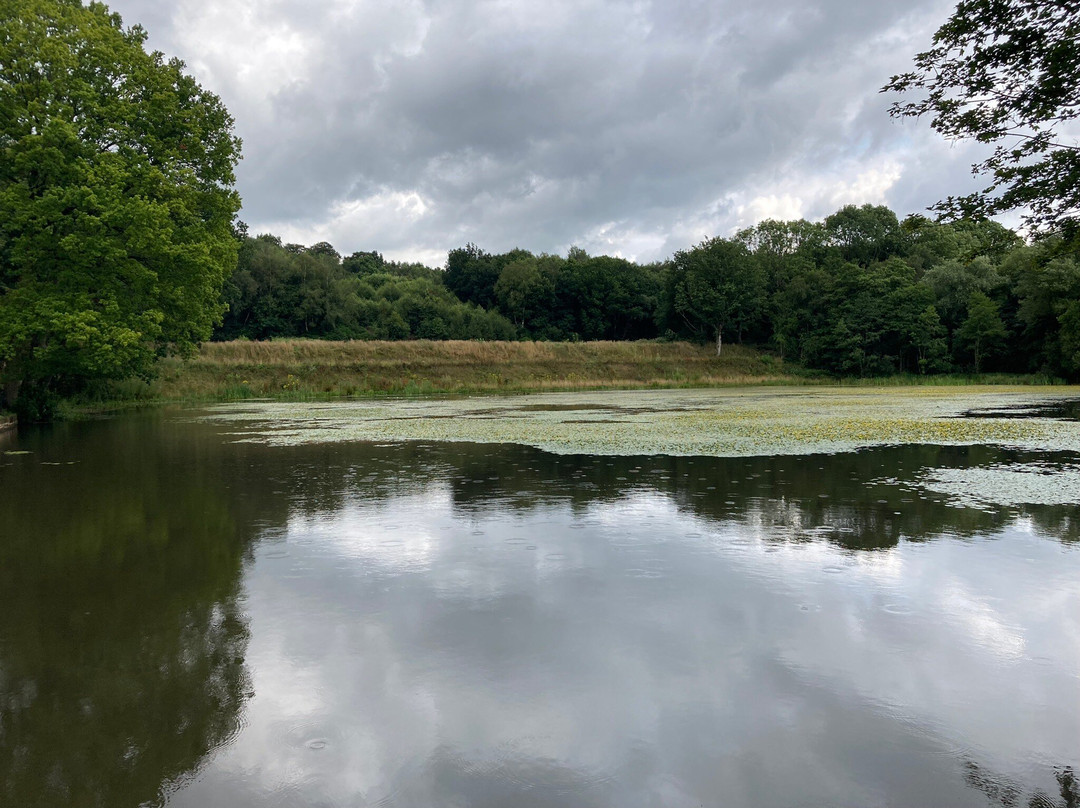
[(627, 651)]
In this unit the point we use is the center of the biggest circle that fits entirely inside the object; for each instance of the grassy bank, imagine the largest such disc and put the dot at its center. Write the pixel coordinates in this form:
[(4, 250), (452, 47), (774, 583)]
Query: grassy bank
[(299, 369), (281, 369), (310, 369)]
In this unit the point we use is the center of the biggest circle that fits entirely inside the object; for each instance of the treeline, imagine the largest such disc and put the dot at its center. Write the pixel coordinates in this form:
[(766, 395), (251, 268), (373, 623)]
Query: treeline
[(288, 290), (861, 293)]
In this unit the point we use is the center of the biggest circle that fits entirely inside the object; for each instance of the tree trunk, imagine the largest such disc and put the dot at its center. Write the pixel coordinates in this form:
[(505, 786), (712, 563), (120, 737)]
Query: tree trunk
[(719, 339), (9, 391)]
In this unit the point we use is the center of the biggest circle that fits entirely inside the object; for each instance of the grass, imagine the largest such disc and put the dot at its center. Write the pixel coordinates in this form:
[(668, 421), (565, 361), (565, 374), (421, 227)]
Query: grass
[(305, 370), (952, 380)]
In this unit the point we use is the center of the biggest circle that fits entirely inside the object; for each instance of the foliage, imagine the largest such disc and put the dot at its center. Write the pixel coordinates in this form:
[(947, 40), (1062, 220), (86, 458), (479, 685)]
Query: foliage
[(982, 332), (1007, 72), (471, 273), (715, 286), (865, 235), (579, 297), (295, 291), (116, 201)]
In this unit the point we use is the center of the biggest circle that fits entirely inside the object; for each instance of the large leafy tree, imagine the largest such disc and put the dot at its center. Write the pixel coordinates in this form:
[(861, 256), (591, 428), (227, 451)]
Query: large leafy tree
[(1007, 72), (715, 287), (116, 201)]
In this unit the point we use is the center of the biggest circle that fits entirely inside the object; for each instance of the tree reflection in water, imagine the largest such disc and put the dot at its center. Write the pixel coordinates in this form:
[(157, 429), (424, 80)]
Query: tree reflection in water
[(1007, 793), (122, 637)]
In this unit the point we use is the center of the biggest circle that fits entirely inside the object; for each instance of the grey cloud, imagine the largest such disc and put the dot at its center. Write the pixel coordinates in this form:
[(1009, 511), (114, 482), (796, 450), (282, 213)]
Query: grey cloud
[(536, 125)]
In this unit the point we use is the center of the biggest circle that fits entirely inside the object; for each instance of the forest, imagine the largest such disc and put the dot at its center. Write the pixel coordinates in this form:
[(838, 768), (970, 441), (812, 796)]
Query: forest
[(861, 293)]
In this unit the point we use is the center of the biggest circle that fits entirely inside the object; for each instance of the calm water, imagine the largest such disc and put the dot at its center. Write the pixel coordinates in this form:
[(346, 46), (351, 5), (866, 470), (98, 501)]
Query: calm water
[(190, 621)]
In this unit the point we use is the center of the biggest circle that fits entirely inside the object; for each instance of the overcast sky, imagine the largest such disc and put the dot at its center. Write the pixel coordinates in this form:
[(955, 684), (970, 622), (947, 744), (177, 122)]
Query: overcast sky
[(630, 128)]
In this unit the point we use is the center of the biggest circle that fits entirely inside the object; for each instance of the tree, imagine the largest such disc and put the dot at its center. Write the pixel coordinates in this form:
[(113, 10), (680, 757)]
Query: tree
[(1069, 321), (1045, 286), (116, 202), (952, 283), (715, 286), (982, 332), (471, 273), (867, 234), (1007, 72), (927, 334), (521, 286), (365, 263)]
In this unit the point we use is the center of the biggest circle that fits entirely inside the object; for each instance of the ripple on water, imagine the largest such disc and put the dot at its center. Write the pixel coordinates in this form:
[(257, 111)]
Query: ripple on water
[(637, 572), (310, 734)]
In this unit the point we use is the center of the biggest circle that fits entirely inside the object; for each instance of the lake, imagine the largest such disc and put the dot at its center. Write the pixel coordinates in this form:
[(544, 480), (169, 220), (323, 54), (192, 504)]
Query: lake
[(498, 602)]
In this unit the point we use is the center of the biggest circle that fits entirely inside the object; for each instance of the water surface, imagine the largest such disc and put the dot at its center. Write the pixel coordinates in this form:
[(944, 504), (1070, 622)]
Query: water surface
[(188, 620)]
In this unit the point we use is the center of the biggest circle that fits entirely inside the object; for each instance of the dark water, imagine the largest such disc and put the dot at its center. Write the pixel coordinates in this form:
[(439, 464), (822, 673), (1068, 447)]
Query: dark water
[(194, 622)]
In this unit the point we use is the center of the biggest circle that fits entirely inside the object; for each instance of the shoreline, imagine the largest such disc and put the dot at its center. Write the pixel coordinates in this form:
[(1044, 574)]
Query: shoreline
[(319, 370)]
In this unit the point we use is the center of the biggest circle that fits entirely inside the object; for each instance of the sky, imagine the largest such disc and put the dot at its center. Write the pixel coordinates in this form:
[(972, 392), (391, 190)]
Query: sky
[(625, 127)]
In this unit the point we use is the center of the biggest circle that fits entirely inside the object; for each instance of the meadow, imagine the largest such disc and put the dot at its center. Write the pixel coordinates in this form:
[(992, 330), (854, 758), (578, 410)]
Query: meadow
[(308, 369), (298, 368)]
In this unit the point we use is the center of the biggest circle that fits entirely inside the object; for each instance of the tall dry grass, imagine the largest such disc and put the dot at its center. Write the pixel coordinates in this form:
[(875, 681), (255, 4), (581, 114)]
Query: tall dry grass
[(330, 353), (298, 368)]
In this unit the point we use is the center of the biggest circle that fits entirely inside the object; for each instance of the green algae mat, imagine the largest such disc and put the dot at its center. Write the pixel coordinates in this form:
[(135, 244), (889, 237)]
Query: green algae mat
[(720, 423), (732, 422)]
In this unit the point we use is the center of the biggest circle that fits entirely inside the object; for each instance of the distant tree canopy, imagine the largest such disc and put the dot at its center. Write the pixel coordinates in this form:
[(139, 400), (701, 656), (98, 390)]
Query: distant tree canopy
[(1007, 72), (116, 202), (294, 291), (861, 293)]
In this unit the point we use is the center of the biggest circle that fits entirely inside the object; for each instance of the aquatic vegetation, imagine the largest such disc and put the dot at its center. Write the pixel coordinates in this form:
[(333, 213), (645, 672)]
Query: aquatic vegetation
[(1011, 485), (724, 422)]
